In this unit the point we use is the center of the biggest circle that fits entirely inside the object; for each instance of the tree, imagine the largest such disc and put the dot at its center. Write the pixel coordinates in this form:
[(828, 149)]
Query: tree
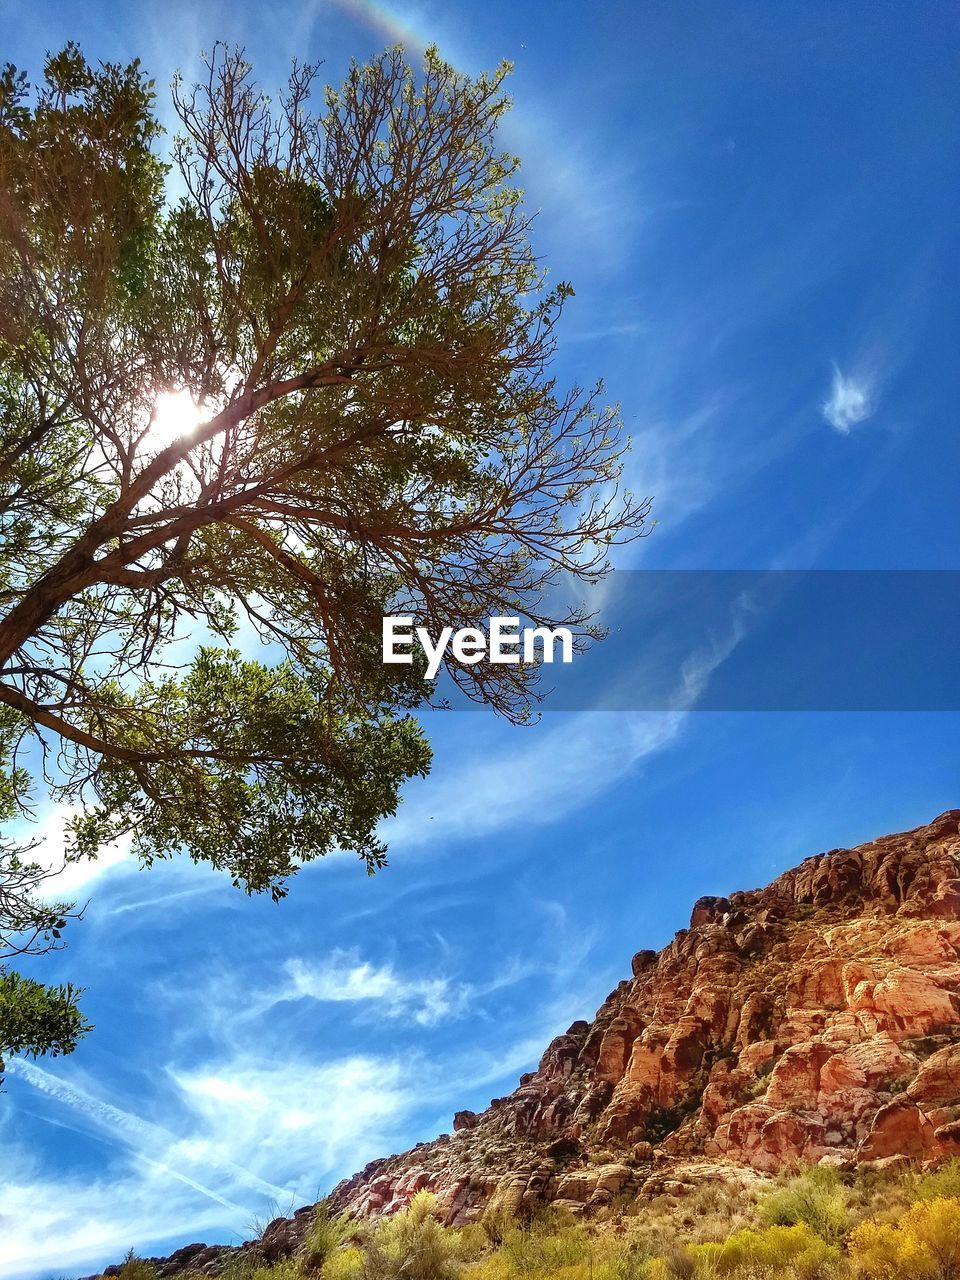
[(312, 389), (34, 1018)]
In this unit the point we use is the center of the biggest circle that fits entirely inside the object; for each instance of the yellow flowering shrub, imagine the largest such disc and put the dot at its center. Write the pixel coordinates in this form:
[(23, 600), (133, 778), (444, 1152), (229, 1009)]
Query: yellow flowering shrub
[(797, 1252), (345, 1264), (923, 1244)]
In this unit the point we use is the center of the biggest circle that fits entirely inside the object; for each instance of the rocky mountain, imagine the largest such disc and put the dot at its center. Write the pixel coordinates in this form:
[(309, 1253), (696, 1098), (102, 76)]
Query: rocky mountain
[(817, 1019)]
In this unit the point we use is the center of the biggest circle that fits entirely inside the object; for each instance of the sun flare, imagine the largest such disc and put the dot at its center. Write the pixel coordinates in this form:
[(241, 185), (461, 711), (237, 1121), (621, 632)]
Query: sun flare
[(175, 414)]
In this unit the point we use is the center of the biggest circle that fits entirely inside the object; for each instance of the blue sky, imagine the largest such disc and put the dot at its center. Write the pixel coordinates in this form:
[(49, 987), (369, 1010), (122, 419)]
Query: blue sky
[(756, 205)]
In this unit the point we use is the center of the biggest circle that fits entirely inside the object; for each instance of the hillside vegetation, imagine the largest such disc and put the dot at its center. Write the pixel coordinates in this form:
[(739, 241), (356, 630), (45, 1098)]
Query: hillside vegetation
[(816, 1224)]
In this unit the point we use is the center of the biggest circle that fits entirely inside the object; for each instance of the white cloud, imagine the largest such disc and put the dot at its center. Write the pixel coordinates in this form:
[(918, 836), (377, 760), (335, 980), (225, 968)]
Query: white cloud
[(681, 462), (50, 1225), (149, 1141), (242, 1125), (244, 1137), (68, 880), (604, 332), (700, 665), (554, 772), (345, 977), (851, 401), (596, 194), (284, 1120)]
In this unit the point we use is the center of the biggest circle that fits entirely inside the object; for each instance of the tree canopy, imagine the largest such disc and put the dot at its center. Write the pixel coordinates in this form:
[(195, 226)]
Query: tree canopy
[(256, 391)]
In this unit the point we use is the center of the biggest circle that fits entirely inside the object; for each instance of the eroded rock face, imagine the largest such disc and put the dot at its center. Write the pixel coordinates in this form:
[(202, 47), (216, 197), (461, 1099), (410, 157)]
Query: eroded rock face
[(816, 1019)]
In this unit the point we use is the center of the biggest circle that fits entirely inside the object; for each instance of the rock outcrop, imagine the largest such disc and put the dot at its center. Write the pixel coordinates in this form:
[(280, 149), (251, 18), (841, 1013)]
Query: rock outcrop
[(817, 1019)]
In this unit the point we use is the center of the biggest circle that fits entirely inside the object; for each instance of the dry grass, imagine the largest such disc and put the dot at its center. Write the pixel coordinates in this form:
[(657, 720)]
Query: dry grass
[(816, 1224)]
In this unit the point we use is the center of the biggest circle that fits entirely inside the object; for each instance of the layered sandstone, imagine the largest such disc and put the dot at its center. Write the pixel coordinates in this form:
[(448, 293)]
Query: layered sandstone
[(817, 1019)]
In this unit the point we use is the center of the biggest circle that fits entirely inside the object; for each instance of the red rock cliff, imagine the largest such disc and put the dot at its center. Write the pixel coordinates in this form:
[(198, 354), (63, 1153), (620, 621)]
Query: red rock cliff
[(817, 1019)]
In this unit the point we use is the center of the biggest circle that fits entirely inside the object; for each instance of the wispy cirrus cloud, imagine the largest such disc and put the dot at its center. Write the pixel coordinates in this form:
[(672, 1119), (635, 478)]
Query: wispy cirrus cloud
[(150, 1141), (851, 401), (535, 780), (244, 1134), (53, 1224), (344, 977), (281, 1118)]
